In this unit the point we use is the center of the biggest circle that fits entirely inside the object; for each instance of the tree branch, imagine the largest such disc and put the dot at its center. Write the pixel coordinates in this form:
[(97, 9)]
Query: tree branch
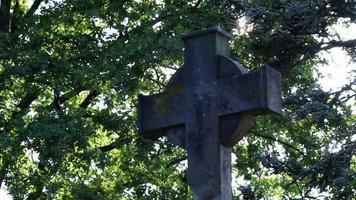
[(337, 94), (158, 83), (59, 100), (115, 144), (108, 147), (26, 102), (176, 161), (169, 67), (89, 98), (279, 141), (33, 8), (335, 43)]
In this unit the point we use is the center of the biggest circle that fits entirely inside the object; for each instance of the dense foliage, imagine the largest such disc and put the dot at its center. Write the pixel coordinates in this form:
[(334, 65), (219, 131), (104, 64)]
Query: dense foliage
[(71, 70)]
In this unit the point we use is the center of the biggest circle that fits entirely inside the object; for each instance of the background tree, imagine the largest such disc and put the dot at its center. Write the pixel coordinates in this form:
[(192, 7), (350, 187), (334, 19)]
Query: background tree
[(316, 135), (70, 73)]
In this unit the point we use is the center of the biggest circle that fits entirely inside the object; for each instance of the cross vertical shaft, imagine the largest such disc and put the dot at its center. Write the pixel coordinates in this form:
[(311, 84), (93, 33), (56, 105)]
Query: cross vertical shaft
[(209, 161)]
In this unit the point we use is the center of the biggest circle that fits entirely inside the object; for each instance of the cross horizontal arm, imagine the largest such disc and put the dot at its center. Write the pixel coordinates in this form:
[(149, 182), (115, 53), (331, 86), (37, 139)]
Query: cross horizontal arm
[(160, 111), (257, 93)]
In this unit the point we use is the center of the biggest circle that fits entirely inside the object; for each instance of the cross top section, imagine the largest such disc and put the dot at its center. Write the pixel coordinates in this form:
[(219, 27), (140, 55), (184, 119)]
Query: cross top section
[(200, 55)]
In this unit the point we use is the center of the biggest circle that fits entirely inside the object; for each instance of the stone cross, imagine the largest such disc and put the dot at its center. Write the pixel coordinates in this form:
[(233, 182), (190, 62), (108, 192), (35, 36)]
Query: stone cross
[(207, 107)]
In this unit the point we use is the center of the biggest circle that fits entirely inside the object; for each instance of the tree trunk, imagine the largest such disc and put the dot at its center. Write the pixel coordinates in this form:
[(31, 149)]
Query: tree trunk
[(5, 15)]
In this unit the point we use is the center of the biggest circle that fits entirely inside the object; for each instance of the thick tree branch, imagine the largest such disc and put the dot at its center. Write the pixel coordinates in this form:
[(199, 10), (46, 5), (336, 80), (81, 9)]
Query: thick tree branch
[(117, 143), (26, 102), (89, 98), (108, 147), (335, 43), (59, 100), (34, 7)]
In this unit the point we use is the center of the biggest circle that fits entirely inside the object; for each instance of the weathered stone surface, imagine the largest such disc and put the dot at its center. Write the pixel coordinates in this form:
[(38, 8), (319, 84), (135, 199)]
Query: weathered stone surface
[(207, 107)]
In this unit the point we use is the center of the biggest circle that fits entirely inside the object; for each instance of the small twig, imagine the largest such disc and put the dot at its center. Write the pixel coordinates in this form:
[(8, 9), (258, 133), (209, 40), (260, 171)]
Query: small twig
[(169, 67), (176, 161), (160, 85), (280, 141)]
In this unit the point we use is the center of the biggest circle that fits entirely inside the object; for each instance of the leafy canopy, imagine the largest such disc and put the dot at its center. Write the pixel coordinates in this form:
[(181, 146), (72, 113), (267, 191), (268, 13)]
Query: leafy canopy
[(71, 71)]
